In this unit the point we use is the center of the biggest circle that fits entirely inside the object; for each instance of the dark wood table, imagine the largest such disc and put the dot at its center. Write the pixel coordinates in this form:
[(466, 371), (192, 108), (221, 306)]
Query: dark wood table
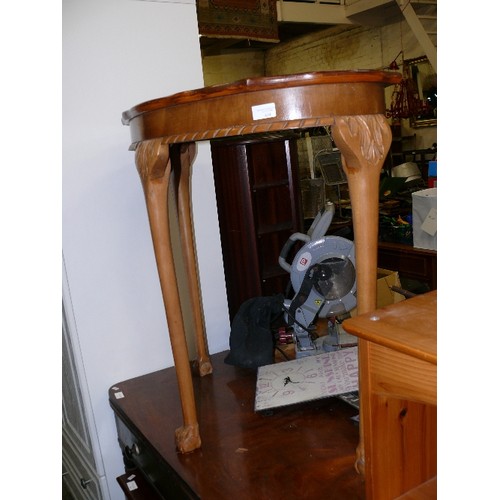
[(303, 451), (410, 262)]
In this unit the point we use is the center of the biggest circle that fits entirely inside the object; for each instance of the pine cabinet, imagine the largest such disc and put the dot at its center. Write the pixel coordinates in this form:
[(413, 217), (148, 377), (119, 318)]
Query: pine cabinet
[(258, 200)]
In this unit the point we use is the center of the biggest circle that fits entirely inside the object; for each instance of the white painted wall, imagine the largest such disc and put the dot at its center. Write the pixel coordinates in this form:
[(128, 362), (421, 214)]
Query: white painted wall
[(118, 53)]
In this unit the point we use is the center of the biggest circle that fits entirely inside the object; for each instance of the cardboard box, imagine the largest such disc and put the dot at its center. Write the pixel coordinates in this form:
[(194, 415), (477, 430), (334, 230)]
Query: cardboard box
[(385, 296), (424, 218)]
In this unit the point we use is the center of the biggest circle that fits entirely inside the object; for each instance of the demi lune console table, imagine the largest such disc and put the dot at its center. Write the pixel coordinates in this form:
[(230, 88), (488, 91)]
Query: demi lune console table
[(351, 103)]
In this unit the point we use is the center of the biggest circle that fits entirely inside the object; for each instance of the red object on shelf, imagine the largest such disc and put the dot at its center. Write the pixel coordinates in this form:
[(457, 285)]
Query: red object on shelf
[(432, 174), (405, 100)]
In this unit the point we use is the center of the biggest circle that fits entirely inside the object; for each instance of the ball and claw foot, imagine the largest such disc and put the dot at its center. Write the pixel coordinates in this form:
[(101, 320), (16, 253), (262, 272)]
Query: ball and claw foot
[(187, 438), (202, 367)]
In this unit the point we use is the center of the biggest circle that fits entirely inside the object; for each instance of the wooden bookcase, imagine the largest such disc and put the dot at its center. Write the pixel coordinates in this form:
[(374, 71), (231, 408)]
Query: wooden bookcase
[(258, 198)]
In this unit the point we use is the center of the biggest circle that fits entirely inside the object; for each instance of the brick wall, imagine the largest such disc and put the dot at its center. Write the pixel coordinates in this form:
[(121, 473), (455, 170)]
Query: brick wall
[(233, 66), (358, 47), (353, 48), (340, 48)]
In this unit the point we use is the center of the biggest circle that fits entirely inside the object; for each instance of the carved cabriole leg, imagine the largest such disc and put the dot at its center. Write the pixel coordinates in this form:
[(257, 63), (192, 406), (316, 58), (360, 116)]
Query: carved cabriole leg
[(154, 167), (188, 151), (363, 141)]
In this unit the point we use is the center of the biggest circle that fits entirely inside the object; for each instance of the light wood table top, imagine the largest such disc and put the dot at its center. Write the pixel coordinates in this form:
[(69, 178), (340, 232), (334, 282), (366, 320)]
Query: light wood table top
[(409, 327)]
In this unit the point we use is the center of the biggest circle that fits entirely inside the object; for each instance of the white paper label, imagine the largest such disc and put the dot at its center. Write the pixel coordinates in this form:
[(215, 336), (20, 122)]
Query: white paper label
[(430, 223), (119, 395), (132, 485), (263, 111)]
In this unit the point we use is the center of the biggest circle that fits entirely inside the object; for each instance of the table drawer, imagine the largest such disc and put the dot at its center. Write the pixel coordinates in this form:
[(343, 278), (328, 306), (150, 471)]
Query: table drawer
[(136, 487), (400, 375), (164, 480)]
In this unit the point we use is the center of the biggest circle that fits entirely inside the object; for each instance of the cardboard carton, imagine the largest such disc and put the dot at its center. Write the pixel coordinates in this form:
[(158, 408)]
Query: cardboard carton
[(424, 218), (385, 296)]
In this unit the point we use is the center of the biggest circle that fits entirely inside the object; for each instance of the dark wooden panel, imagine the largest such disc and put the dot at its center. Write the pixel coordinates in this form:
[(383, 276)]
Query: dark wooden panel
[(304, 451), (270, 246), (236, 222), (268, 163), (259, 208), (273, 209), (410, 262), (136, 487)]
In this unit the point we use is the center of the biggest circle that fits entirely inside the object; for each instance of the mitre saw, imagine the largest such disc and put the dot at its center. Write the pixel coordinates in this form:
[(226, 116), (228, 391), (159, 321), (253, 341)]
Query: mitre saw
[(323, 277)]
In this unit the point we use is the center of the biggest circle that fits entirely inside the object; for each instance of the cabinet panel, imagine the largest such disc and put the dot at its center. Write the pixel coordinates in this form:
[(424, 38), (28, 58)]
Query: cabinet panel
[(269, 164), (238, 240), (78, 452), (269, 248), (273, 211), (412, 263), (75, 427), (259, 208), (80, 479)]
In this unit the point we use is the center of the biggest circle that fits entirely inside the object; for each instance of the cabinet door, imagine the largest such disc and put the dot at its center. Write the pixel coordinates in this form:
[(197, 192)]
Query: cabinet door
[(79, 463), (259, 208)]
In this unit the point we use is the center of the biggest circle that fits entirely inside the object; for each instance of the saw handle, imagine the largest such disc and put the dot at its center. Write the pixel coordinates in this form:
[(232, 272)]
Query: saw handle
[(288, 246), (322, 222), (318, 229)]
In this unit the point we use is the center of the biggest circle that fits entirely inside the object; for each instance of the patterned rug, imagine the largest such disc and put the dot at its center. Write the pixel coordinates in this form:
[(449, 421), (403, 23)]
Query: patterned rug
[(243, 19)]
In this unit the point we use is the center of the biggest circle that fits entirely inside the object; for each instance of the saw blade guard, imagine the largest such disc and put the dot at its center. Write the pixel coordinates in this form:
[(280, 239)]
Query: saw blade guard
[(334, 289)]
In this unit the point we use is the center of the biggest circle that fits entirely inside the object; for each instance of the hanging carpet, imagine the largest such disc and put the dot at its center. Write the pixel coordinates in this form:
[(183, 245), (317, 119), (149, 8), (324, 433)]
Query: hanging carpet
[(243, 19)]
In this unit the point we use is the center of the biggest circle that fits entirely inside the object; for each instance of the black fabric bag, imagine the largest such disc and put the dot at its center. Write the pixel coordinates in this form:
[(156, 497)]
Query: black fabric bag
[(251, 340)]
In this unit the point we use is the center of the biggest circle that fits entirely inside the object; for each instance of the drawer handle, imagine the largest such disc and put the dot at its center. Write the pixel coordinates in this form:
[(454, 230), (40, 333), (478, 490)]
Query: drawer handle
[(84, 482), (130, 451)]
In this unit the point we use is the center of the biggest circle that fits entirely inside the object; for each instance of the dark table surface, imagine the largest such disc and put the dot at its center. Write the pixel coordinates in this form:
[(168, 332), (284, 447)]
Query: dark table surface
[(296, 452)]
